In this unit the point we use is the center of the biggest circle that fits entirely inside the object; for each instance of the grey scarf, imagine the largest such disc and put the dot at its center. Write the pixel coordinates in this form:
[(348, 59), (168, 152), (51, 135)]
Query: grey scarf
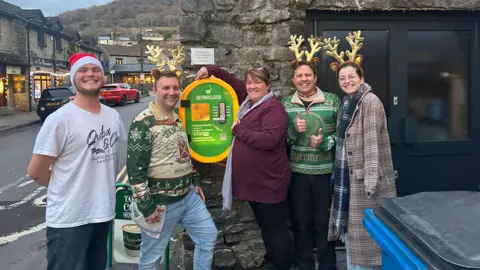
[(227, 179)]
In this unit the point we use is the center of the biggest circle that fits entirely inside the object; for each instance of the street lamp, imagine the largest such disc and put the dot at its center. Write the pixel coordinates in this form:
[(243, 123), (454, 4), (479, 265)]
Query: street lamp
[(142, 76)]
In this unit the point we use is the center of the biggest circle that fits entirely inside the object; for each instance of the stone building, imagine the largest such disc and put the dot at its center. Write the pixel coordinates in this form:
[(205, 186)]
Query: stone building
[(420, 57), (124, 62), (33, 55)]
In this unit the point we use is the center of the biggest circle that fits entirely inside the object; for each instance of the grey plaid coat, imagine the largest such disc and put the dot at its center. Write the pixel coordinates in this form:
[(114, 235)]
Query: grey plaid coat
[(370, 163)]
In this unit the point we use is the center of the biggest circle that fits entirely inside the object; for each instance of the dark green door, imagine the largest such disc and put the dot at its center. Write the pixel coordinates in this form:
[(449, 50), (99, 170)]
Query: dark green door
[(425, 71)]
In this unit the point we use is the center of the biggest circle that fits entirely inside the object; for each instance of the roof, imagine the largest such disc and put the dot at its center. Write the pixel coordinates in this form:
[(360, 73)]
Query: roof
[(34, 15), (73, 33), (132, 68), (103, 38), (89, 40), (7, 7), (11, 58), (123, 38), (54, 22)]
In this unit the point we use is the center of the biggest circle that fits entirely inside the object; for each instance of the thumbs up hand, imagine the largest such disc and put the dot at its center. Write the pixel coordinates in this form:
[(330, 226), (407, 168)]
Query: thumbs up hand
[(300, 124), (316, 140)]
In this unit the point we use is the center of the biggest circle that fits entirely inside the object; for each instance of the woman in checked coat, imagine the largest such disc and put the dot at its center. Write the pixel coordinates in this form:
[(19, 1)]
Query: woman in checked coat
[(363, 170)]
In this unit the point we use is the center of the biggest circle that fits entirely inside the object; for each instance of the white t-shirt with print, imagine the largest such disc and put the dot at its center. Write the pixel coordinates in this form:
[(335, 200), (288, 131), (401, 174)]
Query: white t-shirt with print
[(86, 146)]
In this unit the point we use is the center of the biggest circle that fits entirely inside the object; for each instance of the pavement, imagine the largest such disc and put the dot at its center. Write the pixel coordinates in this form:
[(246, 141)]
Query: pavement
[(22, 201), (18, 120)]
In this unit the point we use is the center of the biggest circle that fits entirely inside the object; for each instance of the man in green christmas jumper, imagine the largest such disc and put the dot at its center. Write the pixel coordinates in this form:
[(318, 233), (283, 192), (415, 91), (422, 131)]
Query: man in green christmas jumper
[(161, 176), (311, 140)]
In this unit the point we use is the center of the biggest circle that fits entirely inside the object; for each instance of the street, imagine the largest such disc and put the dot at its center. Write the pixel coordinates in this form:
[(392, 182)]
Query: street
[(22, 201)]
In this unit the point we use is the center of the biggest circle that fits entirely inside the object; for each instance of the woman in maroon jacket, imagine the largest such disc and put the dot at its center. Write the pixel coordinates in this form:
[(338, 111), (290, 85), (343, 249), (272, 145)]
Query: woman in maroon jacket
[(258, 169)]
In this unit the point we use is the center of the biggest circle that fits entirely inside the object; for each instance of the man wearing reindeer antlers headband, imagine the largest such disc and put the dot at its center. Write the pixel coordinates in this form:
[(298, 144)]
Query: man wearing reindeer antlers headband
[(311, 138), (166, 189)]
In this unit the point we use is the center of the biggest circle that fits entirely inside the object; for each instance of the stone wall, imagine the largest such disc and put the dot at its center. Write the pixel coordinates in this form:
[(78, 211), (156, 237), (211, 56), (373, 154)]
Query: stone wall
[(47, 52), (41, 51), (13, 37), (239, 242), (250, 33)]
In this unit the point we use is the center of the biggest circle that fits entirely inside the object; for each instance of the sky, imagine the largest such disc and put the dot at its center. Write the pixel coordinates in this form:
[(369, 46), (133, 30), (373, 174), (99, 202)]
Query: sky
[(53, 7)]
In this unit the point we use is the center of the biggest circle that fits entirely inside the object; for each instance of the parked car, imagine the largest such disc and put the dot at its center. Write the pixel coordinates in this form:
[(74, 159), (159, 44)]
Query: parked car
[(119, 93), (54, 98)]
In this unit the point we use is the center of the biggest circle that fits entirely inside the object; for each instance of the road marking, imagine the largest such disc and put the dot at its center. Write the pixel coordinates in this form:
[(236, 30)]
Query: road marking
[(121, 172), (26, 183), (14, 236), (16, 182), (25, 200), (38, 202)]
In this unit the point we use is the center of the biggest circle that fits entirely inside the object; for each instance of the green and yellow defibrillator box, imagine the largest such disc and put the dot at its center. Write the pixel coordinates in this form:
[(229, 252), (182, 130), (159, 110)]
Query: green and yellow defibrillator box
[(208, 108)]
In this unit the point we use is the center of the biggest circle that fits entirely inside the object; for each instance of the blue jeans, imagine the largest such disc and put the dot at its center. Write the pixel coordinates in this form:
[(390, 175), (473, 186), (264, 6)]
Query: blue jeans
[(78, 248), (357, 267), (192, 213)]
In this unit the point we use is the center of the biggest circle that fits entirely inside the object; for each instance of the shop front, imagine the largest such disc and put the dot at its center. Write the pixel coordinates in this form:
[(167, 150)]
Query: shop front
[(46, 73), (13, 85), (131, 74), (136, 78)]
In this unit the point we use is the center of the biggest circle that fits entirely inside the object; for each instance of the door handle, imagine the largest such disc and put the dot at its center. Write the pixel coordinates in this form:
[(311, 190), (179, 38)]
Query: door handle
[(410, 127)]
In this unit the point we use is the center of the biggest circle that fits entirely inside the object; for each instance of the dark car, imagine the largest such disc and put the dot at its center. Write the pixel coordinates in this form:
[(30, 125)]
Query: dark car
[(54, 98)]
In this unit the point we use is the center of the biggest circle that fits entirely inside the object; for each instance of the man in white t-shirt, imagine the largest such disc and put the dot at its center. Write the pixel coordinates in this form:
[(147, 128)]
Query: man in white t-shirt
[(76, 156)]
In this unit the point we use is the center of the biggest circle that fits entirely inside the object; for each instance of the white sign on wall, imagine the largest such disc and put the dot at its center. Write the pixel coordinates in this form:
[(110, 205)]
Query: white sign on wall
[(202, 56), (14, 70)]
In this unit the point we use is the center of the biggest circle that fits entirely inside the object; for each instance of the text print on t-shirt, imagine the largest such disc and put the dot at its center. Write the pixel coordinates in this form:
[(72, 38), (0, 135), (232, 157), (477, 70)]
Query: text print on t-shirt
[(102, 144)]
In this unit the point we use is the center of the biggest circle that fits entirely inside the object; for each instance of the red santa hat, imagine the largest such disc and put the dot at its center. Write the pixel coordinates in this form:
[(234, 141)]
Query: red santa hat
[(78, 60)]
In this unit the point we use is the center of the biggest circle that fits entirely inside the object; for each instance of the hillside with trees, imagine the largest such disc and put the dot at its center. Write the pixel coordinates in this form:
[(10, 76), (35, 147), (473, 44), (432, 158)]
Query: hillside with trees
[(125, 17)]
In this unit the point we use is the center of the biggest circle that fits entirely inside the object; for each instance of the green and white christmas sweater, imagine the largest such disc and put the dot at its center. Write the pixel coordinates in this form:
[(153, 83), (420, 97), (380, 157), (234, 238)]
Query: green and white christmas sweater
[(322, 113), (158, 160)]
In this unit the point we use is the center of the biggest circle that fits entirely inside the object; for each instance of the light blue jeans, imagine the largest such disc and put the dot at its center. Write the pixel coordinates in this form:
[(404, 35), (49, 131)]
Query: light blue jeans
[(357, 267), (193, 215)]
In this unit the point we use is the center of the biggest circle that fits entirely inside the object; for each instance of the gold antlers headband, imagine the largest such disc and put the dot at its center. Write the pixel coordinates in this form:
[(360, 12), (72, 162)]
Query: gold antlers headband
[(355, 41), (159, 59), (315, 46)]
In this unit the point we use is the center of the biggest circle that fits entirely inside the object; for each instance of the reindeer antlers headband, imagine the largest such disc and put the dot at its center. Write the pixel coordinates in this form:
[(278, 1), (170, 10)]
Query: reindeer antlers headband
[(315, 46), (355, 41), (157, 57)]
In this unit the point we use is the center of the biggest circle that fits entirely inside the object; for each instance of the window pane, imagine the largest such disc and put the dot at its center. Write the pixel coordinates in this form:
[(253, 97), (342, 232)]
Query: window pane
[(438, 83), (375, 63)]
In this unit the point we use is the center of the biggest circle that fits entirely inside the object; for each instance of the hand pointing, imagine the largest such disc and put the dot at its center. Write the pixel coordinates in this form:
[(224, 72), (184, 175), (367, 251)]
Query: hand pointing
[(316, 140)]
